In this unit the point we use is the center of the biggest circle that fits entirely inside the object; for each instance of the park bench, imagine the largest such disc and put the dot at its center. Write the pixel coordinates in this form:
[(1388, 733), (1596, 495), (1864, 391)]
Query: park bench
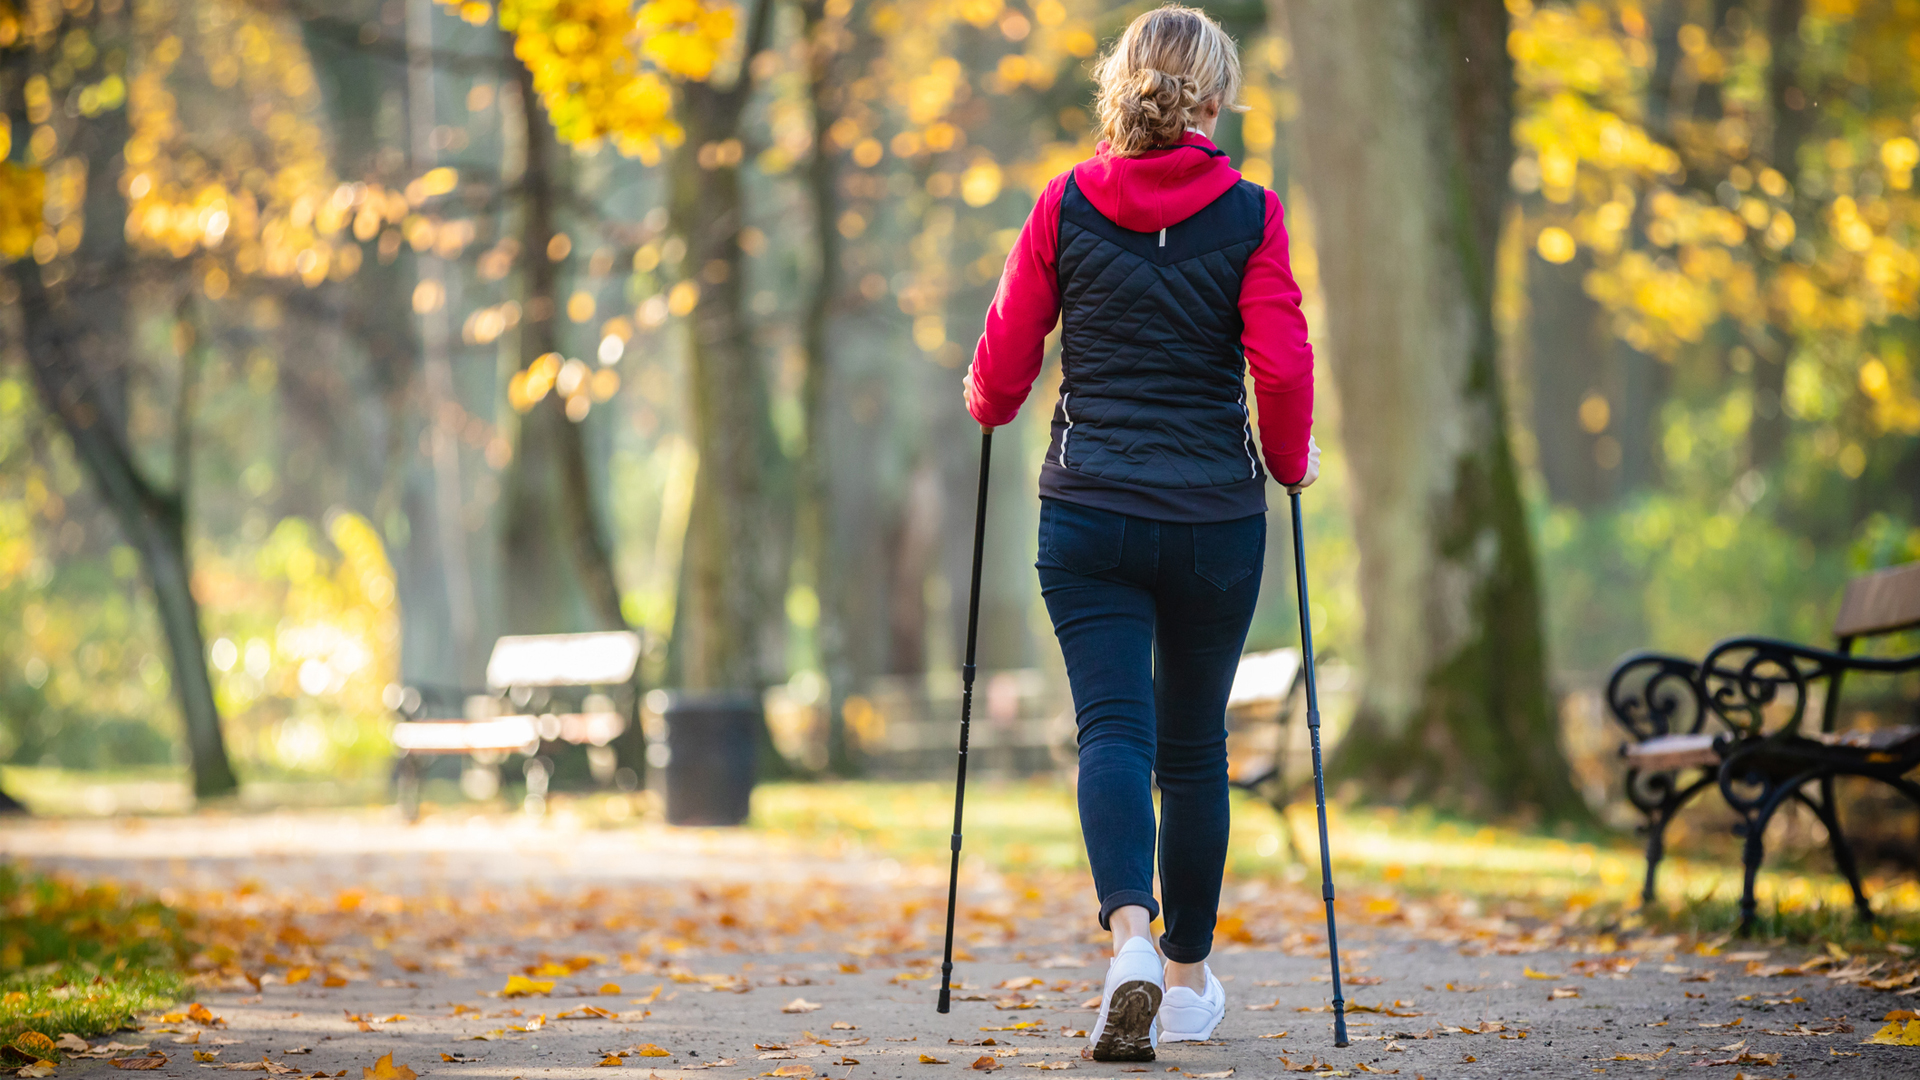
[(1260, 708), (1739, 720), (520, 713)]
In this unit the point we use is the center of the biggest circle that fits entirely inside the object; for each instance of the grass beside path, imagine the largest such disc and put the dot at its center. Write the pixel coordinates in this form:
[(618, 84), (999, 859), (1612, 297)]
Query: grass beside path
[(83, 957), (1017, 826)]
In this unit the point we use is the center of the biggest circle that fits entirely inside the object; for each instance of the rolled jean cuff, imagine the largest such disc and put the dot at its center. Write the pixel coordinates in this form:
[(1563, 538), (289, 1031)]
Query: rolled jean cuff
[(1128, 898), (1184, 954)]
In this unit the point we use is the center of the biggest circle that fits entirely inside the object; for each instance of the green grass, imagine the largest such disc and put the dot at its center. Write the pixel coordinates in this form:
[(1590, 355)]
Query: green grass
[(1033, 825), (54, 999), (83, 957)]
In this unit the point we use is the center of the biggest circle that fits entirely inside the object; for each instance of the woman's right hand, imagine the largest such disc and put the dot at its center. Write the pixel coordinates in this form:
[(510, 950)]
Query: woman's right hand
[(971, 394), (1313, 469)]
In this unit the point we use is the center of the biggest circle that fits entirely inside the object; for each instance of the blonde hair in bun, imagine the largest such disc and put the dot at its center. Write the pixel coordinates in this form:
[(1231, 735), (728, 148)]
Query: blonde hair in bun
[(1169, 62)]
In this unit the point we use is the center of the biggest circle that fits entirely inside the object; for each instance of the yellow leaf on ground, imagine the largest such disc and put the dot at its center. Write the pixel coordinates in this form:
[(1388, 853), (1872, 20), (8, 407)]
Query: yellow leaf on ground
[(298, 975), (929, 1059), (800, 1005), (650, 1050), (206, 1055), (791, 1070), (1532, 974), (35, 1045), (521, 986), (1898, 1034), (1561, 992), (385, 1069), (609, 989), (610, 1061)]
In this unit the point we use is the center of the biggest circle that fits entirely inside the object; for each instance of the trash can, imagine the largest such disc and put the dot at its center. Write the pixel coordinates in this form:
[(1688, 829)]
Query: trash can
[(711, 743)]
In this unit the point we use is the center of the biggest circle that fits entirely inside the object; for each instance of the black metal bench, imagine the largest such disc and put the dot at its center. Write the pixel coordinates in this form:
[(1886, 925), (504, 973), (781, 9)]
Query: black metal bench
[(1737, 720)]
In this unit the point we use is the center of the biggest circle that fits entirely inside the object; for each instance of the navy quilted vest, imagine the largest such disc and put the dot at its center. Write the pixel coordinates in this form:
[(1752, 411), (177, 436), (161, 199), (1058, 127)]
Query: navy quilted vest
[(1152, 418)]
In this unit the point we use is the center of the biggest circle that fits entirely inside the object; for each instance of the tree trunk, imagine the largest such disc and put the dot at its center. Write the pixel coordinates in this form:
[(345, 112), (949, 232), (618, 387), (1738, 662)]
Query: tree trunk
[(1567, 343), (738, 534), (553, 518), (73, 338), (1405, 125), (1792, 122), (78, 349)]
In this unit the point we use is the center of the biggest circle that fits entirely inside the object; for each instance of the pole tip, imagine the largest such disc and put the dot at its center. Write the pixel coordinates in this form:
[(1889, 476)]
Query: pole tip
[(945, 1004)]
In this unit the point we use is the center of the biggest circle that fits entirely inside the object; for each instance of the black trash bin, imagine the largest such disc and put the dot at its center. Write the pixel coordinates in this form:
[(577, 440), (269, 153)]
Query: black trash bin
[(711, 743)]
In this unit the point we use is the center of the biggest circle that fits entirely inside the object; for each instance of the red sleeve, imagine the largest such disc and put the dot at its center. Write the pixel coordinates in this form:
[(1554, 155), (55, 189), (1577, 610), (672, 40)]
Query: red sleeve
[(1277, 350), (1025, 308)]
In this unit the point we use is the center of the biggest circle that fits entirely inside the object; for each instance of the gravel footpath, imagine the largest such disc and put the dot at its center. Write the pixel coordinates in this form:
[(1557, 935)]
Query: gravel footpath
[(690, 1001)]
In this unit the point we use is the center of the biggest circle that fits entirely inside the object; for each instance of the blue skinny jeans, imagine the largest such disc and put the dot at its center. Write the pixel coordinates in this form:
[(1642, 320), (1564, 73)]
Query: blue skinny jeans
[(1151, 616)]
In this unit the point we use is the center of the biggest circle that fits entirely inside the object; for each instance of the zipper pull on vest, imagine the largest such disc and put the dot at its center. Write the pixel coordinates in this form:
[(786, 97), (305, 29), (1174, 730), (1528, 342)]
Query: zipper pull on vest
[(1163, 237)]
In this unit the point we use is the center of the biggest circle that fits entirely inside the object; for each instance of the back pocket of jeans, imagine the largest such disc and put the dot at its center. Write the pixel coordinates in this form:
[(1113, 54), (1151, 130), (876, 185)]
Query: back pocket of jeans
[(1225, 552), (1080, 538)]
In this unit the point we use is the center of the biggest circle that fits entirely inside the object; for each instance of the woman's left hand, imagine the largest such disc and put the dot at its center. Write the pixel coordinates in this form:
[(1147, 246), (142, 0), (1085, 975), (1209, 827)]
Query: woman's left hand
[(1313, 469)]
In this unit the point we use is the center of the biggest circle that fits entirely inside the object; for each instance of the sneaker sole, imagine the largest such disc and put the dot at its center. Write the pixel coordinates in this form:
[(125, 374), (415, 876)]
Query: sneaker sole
[(1128, 1035)]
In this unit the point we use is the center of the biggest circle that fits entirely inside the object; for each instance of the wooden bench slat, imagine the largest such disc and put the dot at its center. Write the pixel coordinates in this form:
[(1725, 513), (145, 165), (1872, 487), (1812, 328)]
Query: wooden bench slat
[(1880, 602), (1884, 740), (1667, 752)]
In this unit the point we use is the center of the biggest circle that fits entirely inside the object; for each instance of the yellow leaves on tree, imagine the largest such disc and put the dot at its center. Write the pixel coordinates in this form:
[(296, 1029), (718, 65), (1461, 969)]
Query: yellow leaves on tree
[(587, 57), (23, 190)]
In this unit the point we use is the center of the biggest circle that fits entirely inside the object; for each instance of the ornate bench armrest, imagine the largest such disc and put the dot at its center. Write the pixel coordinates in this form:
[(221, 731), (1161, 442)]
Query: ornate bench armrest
[(1656, 694), (1745, 678)]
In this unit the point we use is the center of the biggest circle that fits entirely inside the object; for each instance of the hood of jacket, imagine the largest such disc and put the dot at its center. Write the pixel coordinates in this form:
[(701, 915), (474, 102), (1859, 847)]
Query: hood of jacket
[(1159, 188)]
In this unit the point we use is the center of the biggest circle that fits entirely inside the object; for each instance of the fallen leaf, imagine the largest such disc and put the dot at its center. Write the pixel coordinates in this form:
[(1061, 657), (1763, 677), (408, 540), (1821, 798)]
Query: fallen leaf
[(800, 1005), (985, 1063), (1268, 1007), (607, 1062), (845, 1060), (929, 1059), (457, 1058), (1560, 993), (1532, 974), (38, 1068), (1049, 1065), (1275, 1035), (521, 986), (651, 1050), (1735, 1022), (609, 989), (385, 1069), (791, 1070), (199, 1014), (1643, 1057), (298, 975), (1025, 982), (1699, 976), (1898, 1034), (72, 1043), (190, 1038), (1468, 1059), (585, 1012), (653, 995), (1221, 1075), (153, 1059), (36, 1046), (206, 1055)]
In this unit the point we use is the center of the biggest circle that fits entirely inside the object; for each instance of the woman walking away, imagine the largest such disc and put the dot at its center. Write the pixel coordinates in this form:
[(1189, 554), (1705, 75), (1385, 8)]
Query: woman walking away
[(1171, 272)]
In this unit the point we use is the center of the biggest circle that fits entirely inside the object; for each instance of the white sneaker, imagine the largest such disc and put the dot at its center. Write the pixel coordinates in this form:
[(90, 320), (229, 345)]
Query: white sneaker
[(1189, 1017), (1129, 1027)]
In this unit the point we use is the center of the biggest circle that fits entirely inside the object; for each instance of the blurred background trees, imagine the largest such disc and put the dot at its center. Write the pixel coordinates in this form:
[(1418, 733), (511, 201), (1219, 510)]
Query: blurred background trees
[(341, 338)]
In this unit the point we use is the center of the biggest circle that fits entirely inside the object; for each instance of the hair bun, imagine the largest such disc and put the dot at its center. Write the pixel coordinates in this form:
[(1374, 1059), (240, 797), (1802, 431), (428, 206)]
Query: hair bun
[(1159, 106)]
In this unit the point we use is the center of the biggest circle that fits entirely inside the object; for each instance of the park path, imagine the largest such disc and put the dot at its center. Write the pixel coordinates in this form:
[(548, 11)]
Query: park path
[(521, 949)]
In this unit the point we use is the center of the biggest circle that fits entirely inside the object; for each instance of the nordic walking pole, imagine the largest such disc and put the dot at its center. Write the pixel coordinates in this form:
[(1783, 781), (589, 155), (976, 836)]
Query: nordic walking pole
[(1319, 776), (966, 715)]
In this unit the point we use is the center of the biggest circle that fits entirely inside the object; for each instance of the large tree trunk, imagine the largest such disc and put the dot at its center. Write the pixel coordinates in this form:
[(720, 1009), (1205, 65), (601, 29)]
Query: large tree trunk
[(79, 351), (554, 524), (737, 541), (1792, 117), (1406, 108)]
